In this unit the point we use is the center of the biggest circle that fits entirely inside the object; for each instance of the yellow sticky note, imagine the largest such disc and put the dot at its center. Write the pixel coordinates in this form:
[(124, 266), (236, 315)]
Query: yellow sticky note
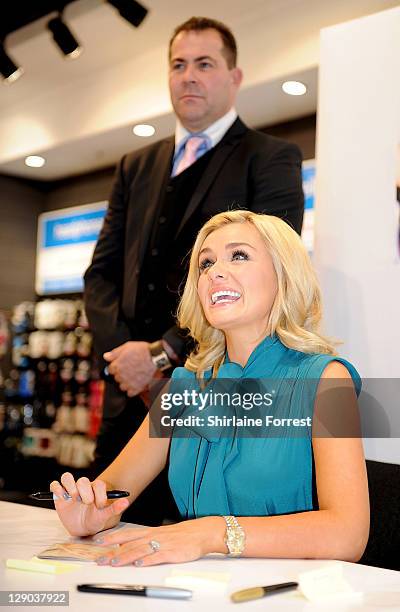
[(40, 565)]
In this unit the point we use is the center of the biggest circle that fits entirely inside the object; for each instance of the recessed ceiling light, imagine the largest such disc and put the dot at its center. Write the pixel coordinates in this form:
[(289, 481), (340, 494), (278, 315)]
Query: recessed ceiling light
[(294, 88), (35, 161), (144, 130)]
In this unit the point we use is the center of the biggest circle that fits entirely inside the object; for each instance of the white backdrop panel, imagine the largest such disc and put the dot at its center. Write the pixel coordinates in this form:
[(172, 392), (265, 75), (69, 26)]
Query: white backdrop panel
[(356, 214)]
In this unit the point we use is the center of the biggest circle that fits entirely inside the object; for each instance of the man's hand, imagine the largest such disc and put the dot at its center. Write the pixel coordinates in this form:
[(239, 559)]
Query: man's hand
[(131, 366)]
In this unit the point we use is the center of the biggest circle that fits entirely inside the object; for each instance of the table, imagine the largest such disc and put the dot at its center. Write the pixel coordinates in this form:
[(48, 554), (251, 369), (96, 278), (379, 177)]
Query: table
[(26, 530)]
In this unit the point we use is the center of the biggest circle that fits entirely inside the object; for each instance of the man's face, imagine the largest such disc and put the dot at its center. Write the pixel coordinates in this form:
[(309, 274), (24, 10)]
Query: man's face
[(201, 85)]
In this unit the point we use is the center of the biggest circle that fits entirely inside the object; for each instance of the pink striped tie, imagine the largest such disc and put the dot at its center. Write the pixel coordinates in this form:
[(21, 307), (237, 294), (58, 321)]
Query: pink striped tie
[(189, 157)]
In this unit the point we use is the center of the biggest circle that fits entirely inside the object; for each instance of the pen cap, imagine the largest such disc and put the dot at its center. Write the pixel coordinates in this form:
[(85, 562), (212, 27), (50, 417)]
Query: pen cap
[(168, 592), (248, 594)]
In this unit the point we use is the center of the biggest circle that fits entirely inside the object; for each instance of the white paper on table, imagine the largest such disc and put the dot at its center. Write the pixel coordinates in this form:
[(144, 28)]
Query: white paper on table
[(327, 585)]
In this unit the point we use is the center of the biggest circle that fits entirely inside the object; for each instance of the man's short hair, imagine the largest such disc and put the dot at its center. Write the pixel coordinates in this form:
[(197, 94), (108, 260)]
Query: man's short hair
[(197, 24)]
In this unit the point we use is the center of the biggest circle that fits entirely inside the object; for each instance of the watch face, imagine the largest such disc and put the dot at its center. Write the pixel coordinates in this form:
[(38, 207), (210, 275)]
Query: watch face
[(161, 361), (235, 540)]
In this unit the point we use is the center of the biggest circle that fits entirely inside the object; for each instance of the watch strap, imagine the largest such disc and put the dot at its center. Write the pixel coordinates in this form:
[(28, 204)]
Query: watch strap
[(159, 356), (235, 537)]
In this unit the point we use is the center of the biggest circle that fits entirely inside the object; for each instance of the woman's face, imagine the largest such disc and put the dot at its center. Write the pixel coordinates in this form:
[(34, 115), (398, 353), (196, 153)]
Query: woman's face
[(237, 284)]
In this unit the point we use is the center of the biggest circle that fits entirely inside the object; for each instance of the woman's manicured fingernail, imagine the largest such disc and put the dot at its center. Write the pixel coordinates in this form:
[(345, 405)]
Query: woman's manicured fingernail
[(139, 563), (114, 561), (99, 541), (102, 560)]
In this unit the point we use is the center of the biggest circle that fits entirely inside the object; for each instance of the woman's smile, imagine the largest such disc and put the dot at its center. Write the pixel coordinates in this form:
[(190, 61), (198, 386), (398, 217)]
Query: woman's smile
[(224, 296)]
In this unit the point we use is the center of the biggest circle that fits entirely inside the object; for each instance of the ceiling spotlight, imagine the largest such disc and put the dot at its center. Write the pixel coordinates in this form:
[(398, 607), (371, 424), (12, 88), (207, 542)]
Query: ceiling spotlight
[(130, 10), (9, 71), (144, 130), (64, 39), (35, 161), (294, 88)]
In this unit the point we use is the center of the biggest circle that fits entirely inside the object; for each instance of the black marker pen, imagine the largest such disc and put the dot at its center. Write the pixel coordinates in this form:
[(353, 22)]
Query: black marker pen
[(49, 496)]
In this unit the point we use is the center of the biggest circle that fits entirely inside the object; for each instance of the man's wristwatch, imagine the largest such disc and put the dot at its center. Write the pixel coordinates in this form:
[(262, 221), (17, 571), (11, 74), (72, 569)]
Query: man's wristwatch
[(235, 537), (159, 356)]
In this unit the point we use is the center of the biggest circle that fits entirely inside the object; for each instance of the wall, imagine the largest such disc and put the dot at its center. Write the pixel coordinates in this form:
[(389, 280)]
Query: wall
[(20, 204), (357, 217), (85, 189), (301, 132)]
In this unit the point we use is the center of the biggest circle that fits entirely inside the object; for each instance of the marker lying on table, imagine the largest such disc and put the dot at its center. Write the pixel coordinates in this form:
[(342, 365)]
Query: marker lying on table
[(135, 589), (258, 592), (49, 496)]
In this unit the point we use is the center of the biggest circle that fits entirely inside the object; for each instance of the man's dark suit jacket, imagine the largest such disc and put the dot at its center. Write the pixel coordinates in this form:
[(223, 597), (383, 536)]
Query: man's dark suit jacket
[(248, 169)]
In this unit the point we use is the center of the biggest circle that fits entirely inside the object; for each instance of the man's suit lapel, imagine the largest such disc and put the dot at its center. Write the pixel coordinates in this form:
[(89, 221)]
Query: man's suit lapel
[(158, 181), (225, 148)]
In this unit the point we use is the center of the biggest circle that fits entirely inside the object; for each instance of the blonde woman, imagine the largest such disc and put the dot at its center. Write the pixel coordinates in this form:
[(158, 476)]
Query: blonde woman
[(252, 305)]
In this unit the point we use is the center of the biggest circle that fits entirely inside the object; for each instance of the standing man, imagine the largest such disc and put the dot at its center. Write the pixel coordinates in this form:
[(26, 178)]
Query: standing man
[(161, 197)]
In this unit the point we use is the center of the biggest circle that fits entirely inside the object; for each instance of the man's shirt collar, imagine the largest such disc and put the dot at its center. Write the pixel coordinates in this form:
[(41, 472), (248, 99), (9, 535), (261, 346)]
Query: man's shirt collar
[(215, 132)]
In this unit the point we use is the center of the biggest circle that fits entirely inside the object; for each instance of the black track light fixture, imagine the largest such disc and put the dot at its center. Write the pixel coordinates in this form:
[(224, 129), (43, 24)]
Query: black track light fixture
[(130, 10), (63, 38), (9, 71)]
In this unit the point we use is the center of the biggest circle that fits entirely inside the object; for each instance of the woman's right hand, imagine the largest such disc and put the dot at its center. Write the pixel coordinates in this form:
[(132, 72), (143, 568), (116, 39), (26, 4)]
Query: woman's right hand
[(94, 513)]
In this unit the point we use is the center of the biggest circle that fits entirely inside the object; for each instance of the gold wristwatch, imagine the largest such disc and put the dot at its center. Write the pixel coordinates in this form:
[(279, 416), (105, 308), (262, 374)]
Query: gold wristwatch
[(235, 537)]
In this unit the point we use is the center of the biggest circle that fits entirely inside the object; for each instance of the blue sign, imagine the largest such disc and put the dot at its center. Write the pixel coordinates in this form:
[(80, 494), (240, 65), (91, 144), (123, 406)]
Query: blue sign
[(66, 240), (308, 174), (72, 228)]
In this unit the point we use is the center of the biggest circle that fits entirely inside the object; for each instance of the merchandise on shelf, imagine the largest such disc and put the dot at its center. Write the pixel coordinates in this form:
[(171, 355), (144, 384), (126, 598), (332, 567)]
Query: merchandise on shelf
[(53, 393)]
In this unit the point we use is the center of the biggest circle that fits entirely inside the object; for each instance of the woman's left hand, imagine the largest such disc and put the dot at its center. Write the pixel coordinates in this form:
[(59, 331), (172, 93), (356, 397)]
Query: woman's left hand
[(176, 543)]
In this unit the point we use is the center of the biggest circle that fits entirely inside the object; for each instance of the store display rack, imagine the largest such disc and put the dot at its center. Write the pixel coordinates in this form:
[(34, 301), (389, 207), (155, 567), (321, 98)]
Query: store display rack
[(51, 397)]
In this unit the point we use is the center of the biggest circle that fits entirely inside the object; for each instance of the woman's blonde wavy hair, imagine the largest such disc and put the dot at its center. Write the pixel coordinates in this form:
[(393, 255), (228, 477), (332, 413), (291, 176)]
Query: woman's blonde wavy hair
[(296, 313)]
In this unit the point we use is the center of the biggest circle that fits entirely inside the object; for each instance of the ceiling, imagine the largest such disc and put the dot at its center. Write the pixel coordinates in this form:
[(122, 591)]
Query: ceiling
[(17, 14), (79, 114)]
